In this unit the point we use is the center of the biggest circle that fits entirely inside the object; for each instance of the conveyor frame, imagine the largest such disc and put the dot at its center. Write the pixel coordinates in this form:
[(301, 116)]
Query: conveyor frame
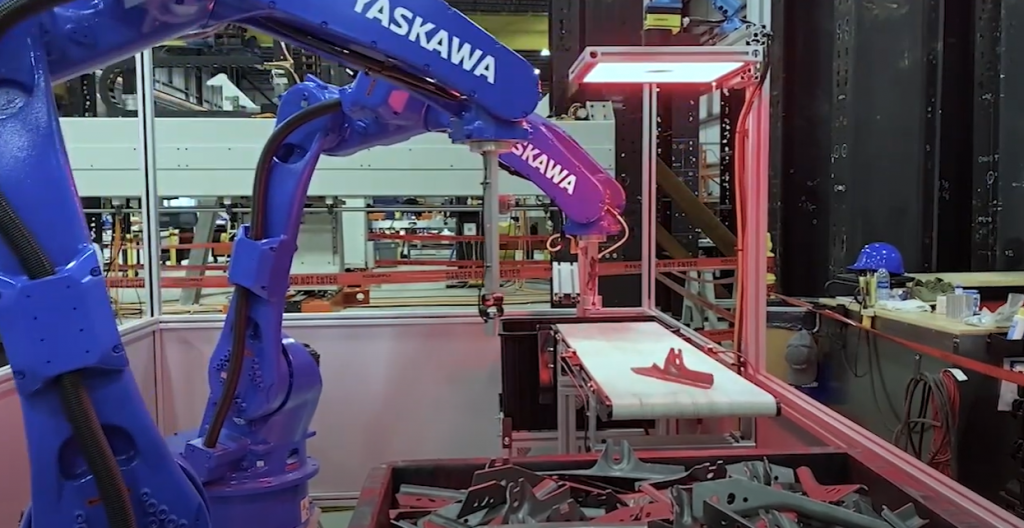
[(576, 386)]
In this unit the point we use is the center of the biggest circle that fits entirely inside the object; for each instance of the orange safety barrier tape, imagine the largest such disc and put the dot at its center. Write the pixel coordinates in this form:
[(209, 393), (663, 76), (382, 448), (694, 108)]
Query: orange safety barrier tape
[(512, 270)]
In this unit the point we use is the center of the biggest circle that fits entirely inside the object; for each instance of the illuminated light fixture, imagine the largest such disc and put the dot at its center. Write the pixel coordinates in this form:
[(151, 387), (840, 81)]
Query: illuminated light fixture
[(545, 52), (706, 65), (536, 71)]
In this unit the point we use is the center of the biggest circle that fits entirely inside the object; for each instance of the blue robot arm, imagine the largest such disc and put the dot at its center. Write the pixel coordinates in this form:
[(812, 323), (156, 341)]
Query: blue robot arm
[(97, 459)]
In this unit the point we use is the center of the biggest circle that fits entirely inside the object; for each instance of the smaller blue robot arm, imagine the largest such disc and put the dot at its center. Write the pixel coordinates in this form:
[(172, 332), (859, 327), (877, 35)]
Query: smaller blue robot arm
[(575, 182)]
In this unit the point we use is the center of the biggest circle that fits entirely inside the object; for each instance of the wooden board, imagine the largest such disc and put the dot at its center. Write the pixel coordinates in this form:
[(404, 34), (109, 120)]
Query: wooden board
[(977, 279), (931, 321)]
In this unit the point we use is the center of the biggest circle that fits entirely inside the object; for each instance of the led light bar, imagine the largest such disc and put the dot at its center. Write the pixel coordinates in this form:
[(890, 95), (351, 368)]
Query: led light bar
[(707, 65)]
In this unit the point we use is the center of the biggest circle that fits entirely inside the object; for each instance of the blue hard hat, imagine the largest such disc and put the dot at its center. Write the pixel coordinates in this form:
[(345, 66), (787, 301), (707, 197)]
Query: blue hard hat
[(879, 255)]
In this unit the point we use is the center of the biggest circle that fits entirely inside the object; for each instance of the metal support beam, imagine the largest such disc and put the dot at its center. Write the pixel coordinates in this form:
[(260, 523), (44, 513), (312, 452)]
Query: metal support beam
[(806, 80), (986, 125), (999, 194), (606, 23), (151, 197), (566, 28), (201, 234), (954, 95), (776, 57)]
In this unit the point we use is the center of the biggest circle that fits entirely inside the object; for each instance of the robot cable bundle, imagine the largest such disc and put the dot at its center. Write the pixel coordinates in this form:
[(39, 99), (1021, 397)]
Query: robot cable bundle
[(77, 405)]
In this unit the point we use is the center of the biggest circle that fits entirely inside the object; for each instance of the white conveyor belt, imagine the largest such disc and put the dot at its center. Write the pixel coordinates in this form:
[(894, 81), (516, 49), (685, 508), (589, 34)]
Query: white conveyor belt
[(609, 351)]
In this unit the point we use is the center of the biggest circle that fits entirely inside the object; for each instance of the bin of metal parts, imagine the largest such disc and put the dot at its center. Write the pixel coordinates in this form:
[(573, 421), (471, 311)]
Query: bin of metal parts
[(620, 489)]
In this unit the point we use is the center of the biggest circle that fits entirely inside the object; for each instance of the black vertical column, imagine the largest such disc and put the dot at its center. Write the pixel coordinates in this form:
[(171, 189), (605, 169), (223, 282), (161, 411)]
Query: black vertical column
[(893, 165), (679, 147), (729, 109), (664, 298), (890, 144), (1007, 179), (81, 97), (566, 39), (804, 74), (606, 23), (684, 140), (81, 102), (954, 101), (985, 169), (843, 229), (776, 54)]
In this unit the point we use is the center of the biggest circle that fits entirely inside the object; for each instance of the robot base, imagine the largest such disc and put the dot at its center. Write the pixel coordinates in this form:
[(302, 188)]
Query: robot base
[(238, 500)]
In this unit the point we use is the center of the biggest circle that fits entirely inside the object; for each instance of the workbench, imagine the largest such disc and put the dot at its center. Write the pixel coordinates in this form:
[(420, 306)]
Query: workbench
[(923, 320), (977, 279), (875, 401)]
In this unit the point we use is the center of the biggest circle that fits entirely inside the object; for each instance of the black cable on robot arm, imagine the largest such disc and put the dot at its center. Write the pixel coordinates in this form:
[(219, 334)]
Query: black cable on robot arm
[(15, 12), (512, 171), (261, 185), (239, 323), (78, 408)]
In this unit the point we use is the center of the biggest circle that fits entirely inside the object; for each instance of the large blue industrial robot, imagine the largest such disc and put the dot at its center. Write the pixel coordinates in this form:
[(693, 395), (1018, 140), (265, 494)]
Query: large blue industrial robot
[(97, 458)]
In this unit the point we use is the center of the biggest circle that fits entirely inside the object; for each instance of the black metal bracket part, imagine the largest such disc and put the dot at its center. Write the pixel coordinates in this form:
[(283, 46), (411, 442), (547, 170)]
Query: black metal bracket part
[(716, 516), (746, 493), (523, 506), (618, 460), (777, 519), (762, 472), (905, 517), (698, 473), (744, 497)]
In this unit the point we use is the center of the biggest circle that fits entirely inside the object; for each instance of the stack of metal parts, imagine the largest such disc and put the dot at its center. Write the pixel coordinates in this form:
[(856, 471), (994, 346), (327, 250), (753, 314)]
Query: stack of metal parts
[(621, 490), (1013, 493)]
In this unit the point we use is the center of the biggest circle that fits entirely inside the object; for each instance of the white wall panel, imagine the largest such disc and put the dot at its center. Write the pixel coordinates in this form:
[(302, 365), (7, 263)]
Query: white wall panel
[(104, 155), (216, 157), (14, 486), (402, 390), (139, 339), (395, 391)]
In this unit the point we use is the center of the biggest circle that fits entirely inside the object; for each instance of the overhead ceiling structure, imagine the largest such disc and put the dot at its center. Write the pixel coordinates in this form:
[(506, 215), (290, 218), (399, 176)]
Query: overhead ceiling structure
[(519, 24), (501, 6)]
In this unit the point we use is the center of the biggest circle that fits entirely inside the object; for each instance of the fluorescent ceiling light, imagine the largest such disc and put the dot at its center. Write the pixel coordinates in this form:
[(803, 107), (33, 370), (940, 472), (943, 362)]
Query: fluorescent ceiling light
[(703, 65), (655, 72), (545, 52)]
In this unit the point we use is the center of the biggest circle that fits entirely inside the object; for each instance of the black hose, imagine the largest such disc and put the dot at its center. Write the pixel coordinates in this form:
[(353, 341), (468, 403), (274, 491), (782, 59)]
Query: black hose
[(78, 409), (239, 325)]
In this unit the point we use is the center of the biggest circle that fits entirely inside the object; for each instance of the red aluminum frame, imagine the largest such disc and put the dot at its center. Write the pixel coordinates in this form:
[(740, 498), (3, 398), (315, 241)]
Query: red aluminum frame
[(903, 470)]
